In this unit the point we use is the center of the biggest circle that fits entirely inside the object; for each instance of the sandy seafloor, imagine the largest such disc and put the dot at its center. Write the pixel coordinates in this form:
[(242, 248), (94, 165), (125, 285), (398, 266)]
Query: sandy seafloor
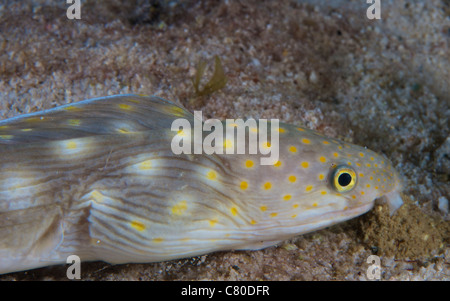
[(383, 84)]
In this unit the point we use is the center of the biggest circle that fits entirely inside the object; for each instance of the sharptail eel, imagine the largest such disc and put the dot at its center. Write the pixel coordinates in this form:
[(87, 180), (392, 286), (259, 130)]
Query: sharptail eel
[(98, 179)]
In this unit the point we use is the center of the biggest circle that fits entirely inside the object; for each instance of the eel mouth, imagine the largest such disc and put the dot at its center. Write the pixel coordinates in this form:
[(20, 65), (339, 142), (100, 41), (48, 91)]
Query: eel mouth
[(349, 213), (336, 216), (394, 201)]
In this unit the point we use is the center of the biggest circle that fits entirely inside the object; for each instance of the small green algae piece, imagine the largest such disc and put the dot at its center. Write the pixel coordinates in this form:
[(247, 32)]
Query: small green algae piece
[(217, 81)]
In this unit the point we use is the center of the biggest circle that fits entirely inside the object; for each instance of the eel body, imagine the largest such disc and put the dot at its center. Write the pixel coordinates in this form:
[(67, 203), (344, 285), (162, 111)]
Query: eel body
[(99, 179)]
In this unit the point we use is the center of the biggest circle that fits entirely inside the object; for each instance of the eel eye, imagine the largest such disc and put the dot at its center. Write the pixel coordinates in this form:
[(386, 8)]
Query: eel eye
[(343, 179)]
